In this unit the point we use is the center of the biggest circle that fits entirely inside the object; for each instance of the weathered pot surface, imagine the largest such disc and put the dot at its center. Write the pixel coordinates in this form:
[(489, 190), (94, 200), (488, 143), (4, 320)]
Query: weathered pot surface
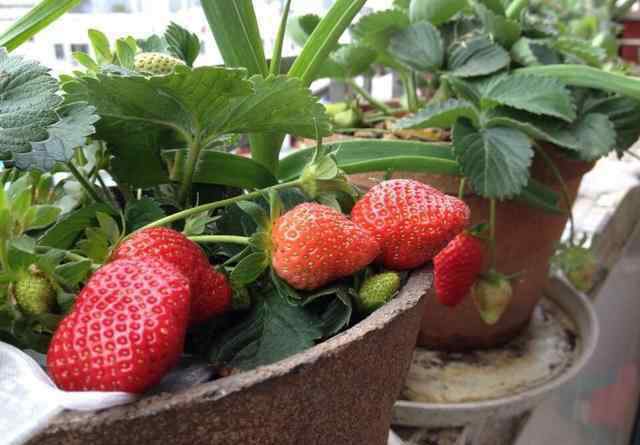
[(526, 240), (338, 392)]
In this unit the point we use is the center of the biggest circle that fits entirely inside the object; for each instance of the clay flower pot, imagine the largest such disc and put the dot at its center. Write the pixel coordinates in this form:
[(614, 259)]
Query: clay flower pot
[(338, 392), (526, 240)]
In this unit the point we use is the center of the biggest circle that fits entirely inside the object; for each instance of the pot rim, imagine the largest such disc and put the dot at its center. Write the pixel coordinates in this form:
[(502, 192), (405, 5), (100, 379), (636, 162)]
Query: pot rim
[(582, 313), (410, 295)]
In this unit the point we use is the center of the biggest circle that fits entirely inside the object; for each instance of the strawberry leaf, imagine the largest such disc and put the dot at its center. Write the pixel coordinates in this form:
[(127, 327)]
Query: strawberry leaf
[(435, 11), (582, 50), (503, 30), (376, 29), (348, 61), (496, 159), (249, 269), (440, 115), (68, 229), (182, 43), (300, 28), (596, 135), (256, 212), (528, 52), (478, 56), (624, 112), (142, 212), (535, 94), (418, 47), (74, 273)]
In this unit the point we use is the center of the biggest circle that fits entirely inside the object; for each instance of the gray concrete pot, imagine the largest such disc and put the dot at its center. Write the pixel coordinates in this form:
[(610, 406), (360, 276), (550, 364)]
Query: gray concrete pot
[(338, 392)]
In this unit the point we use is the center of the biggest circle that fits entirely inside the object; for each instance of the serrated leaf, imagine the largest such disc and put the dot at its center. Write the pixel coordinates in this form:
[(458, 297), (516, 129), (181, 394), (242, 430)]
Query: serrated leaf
[(126, 54), (141, 212), (581, 49), (249, 269), (352, 60), (596, 135), (465, 90), (182, 43), (496, 160), (66, 231), (528, 52), (273, 331), (301, 27), (376, 29), (109, 226), (256, 212), (418, 47), (478, 56), (535, 94), (624, 112), (85, 60), (74, 273), (28, 103), (41, 216), (22, 253), (100, 44), (505, 31), (435, 12), (153, 44), (440, 115), (70, 132), (96, 245)]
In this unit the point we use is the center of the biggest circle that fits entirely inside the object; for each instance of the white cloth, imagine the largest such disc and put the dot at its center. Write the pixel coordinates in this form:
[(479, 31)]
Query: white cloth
[(29, 399)]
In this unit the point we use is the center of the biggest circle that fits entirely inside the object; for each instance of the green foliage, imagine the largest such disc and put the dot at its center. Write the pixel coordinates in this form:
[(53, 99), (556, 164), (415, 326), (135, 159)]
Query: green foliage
[(300, 28), (478, 56), (182, 44), (418, 47), (435, 11), (440, 115)]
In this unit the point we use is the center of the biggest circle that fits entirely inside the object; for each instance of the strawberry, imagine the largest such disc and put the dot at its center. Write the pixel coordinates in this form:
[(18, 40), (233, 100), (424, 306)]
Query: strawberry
[(492, 295), (578, 264), (125, 331), (411, 221), (377, 290), (457, 267), (313, 244), (210, 290), (34, 293), (156, 64)]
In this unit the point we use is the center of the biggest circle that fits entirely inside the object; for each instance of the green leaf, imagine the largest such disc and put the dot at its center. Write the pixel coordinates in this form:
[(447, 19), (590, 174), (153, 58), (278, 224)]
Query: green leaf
[(528, 52), (153, 44), (402, 5), (74, 273), (435, 11), (418, 47), (370, 155), (582, 50), (348, 61), (70, 132), (29, 99), (256, 212), (465, 90), (440, 115), (249, 269), (324, 39), (596, 135), (478, 56), (100, 44), (624, 112), (495, 6), (337, 315), (41, 216), (141, 212), (496, 160), (126, 54), (376, 29), (86, 61), (38, 18), (22, 253), (109, 226), (21, 204), (538, 95), (503, 30), (68, 229), (301, 27), (96, 245), (182, 44), (214, 167), (48, 261), (273, 331), (235, 29)]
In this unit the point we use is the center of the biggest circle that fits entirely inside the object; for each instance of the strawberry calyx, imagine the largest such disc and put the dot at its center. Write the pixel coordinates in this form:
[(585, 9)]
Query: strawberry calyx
[(492, 295), (323, 180)]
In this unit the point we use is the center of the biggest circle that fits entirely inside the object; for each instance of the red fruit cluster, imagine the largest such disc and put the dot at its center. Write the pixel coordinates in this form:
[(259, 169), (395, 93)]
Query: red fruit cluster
[(210, 291), (457, 267), (411, 221), (314, 244)]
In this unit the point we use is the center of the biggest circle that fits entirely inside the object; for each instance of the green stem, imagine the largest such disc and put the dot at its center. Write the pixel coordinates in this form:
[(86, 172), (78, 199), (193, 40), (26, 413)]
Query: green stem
[(189, 170), (565, 190), (218, 204), (368, 97), (515, 8), (409, 84), (237, 257), (463, 183), (107, 191), (492, 233), (276, 58), (91, 190), (4, 256), (265, 150), (221, 239)]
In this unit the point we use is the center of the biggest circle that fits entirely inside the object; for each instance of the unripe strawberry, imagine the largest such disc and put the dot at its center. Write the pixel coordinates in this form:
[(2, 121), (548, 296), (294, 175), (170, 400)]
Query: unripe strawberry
[(492, 295), (35, 294), (377, 290), (579, 265), (156, 64)]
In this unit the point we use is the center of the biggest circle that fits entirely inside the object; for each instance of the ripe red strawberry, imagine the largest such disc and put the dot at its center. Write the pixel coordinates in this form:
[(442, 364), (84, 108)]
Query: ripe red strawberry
[(314, 244), (411, 221), (210, 291), (457, 267), (126, 329)]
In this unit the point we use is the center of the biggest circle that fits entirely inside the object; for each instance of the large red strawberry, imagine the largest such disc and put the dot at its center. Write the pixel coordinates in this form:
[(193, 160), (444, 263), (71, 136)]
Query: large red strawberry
[(126, 329), (411, 221), (314, 244), (210, 291), (457, 267)]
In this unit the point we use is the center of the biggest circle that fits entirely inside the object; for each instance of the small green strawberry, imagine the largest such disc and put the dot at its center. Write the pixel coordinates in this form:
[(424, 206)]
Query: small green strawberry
[(492, 295), (579, 265), (156, 64), (34, 293), (377, 291)]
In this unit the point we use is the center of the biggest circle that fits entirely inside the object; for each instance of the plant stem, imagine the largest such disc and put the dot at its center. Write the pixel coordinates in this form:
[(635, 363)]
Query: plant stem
[(515, 8), (368, 97), (4, 257), (189, 170), (91, 190), (276, 58), (220, 239), (218, 204), (463, 183), (409, 83), (107, 191), (492, 233), (237, 257), (565, 190), (353, 130)]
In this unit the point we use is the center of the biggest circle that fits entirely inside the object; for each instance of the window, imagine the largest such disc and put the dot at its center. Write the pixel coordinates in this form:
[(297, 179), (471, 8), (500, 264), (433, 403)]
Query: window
[(80, 48), (85, 6), (58, 48)]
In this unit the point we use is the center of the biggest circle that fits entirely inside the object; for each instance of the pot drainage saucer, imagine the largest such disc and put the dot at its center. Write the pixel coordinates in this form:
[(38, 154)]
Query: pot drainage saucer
[(455, 389)]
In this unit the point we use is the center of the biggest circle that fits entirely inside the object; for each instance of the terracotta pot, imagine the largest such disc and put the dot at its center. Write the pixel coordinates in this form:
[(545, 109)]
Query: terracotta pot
[(338, 392), (526, 240)]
